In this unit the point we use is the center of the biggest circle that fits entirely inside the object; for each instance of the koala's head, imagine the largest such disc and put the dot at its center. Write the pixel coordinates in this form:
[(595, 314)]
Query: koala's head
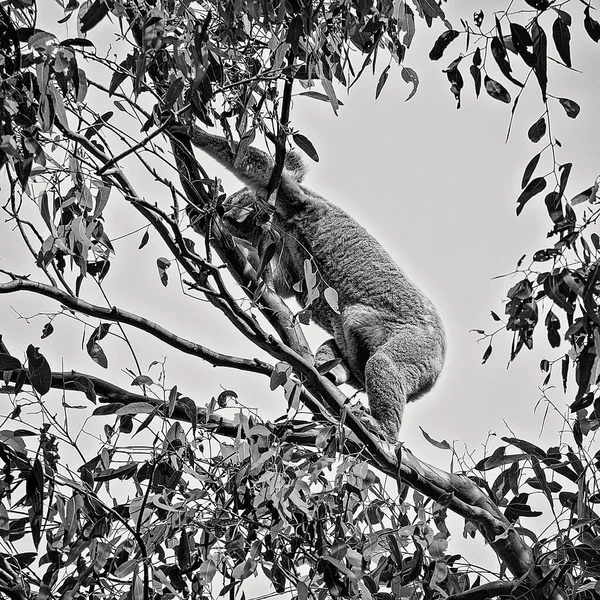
[(245, 214)]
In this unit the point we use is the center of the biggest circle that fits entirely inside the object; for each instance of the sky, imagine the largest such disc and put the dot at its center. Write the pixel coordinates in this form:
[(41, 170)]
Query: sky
[(437, 187)]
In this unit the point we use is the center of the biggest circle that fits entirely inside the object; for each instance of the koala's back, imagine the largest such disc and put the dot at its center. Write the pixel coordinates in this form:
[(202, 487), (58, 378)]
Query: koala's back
[(350, 260)]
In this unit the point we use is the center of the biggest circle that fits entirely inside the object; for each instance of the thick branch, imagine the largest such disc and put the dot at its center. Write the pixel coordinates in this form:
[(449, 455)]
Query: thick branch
[(271, 305), (489, 590)]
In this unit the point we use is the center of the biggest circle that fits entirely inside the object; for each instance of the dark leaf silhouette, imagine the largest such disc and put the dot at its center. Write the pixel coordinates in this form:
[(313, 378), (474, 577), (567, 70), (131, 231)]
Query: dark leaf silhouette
[(442, 43), (535, 186), (540, 51), (496, 90), (529, 169), (522, 42), (306, 146), (94, 14), (591, 25), (537, 130), (571, 107), (501, 58), (40, 374), (562, 37)]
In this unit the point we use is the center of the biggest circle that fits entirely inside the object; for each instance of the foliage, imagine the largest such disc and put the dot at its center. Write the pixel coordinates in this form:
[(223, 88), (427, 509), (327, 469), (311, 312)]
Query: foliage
[(562, 280), (194, 510)]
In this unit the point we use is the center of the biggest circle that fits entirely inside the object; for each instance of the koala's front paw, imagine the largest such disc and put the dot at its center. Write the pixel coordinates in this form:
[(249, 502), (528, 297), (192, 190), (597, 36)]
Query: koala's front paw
[(337, 374)]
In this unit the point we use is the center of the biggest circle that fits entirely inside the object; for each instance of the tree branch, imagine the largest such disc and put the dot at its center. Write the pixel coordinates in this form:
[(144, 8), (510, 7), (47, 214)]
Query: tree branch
[(118, 315)]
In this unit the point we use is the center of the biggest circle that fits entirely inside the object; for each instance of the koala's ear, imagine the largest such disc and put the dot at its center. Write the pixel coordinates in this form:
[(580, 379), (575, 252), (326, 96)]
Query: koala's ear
[(295, 165)]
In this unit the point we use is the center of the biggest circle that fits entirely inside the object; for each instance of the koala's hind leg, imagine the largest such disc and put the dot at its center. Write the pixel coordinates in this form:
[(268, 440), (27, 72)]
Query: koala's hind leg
[(402, 369), (329, 351)]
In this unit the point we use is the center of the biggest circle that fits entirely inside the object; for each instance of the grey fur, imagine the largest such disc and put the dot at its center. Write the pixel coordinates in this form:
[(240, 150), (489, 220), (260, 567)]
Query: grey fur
[(388, 334)]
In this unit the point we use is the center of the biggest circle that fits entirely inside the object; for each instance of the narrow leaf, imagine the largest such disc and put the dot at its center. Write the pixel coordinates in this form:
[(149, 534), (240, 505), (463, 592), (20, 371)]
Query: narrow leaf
[(501, 58), (529, 169), (305, 145), (476, 74), (540, 50), (382, 79), (562, 40)]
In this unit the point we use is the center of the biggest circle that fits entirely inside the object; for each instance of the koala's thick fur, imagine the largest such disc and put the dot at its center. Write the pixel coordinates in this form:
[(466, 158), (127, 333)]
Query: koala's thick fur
[(388, 334)]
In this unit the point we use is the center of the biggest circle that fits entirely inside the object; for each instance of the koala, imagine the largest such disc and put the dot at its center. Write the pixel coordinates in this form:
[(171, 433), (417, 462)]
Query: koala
[(388, 335)]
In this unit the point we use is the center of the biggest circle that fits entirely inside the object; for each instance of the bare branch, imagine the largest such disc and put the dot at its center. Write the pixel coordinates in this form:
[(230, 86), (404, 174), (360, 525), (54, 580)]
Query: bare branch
[(118, 315)]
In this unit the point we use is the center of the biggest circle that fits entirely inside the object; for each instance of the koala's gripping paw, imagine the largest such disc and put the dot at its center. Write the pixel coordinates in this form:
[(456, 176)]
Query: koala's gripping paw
[(337, 374)]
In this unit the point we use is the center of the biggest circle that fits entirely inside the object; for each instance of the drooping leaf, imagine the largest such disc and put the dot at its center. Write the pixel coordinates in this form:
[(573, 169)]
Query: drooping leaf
[(442, 43), (163, 264), (120, 75), (486, 354), (306, 146), (96, 11), (529, 169), (96, 353), (410, 76), (591, 25), (496, 90), (501, 58), (535, 186), (455, 78), (554, 207), (443, 445), (562, 37), (540, 50), (83, 384), (537, 130), (476, 74), (382, 79), (40, 375), (173, 93), (553, 327), (331, 297), (144, 240), (522, 42), (565, 171), (571, 107)]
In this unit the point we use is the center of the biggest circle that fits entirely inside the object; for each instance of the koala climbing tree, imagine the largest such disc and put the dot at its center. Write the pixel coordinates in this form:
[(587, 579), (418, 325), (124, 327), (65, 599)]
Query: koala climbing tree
[(162, 495), (387, 333)]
